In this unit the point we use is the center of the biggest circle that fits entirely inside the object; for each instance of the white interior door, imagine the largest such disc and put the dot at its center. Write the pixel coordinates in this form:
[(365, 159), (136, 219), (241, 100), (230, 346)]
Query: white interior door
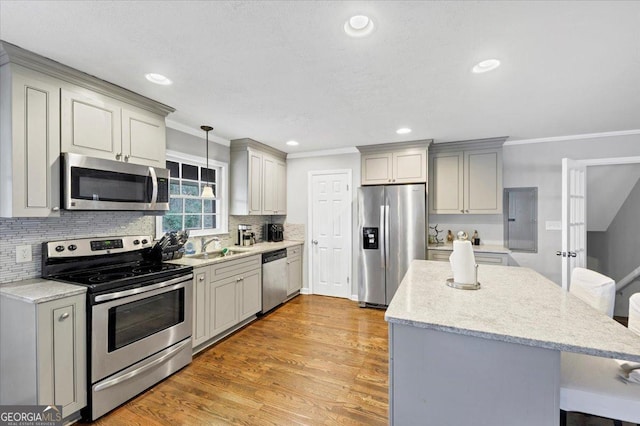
[(330, 226), (574, 221)]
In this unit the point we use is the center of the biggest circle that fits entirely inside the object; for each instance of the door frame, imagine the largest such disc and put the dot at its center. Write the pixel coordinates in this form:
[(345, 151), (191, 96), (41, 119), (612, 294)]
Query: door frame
[(309, 230), (611, 161)]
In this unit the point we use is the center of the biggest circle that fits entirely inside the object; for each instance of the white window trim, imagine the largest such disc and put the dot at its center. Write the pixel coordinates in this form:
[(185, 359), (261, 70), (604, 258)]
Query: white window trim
[(223, 193)]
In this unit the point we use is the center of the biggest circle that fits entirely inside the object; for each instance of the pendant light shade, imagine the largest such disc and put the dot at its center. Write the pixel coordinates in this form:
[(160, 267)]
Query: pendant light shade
[(207, 190)]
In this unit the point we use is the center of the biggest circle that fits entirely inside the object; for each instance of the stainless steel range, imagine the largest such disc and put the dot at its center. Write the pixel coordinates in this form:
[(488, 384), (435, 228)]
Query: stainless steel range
[(139, 313)]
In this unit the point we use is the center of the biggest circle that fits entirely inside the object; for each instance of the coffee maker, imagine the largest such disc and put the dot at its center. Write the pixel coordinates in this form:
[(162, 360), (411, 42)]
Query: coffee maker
[(245, 236)]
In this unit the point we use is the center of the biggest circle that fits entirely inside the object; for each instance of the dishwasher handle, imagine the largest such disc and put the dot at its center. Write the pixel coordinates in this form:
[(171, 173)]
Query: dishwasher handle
[(274, 255)]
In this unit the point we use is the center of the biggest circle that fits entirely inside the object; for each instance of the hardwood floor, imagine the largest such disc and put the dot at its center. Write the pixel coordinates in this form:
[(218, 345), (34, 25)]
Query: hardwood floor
[(314, 361)]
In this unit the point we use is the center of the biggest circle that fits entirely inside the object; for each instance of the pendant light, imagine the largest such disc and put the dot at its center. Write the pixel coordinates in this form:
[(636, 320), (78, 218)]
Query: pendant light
[(207, 191)]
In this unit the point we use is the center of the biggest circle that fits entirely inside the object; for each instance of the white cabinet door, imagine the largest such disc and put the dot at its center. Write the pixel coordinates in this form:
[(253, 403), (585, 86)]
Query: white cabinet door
[(30, 145), (143, 138), (377, 168), (61, 353), (224, 305), (483, 181), (409, 167), (201, 307), (91, 125), (255, 183), (446, 184), (294, 272), (249, 289), (269, 184), (281, 187)]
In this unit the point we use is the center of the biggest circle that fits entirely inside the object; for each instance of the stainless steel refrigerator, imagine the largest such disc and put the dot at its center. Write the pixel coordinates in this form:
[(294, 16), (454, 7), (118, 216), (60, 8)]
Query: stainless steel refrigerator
[(392, 221)]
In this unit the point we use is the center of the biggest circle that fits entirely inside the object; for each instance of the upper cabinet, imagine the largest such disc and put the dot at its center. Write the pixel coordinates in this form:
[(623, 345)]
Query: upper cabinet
[(47, 108), (466, 177), (29, 143), (98, 126), (258, 179), (394, 163)]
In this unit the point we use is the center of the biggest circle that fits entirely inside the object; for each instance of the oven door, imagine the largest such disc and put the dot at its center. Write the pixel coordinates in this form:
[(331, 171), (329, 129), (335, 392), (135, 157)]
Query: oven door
[(132, 325)]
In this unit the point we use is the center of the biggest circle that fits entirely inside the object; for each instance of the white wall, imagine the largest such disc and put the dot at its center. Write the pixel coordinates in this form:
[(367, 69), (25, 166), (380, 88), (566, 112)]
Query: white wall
[(298, 198), (539, 165)]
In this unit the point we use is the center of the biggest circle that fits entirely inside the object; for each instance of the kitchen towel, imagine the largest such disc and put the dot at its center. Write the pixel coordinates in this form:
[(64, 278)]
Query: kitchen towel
[(463, 263)]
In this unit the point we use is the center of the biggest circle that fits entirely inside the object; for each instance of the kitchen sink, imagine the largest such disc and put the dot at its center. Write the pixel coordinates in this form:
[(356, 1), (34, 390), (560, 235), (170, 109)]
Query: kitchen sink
[(215, 254)]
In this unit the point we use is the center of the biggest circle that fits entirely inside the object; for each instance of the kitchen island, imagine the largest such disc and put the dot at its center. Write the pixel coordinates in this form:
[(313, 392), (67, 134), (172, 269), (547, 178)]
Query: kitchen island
[(490, 356)]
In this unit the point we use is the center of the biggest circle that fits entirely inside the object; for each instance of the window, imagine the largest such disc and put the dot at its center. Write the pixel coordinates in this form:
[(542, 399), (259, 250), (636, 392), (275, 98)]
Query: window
[(186, 209)]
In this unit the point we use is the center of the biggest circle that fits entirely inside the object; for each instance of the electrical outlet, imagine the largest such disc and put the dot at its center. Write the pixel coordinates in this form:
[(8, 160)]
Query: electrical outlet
[(23, 254)]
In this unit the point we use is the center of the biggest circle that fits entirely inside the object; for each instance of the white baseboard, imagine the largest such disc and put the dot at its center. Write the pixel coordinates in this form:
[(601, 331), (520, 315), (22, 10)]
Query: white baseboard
[(305, 290), (354, 297)]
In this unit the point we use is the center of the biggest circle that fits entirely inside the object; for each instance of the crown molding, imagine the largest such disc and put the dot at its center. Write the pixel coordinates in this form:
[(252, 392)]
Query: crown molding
[(324, 153), (195, 132), (574, 137)]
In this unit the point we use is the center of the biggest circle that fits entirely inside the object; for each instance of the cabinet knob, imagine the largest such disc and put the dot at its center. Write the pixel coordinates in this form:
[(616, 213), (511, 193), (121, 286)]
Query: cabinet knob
[(126, 158), (55, 209), (64, 316), (393, 180), (462, 211), (118, 156), (466, 211), (200, 278), (389, 180)]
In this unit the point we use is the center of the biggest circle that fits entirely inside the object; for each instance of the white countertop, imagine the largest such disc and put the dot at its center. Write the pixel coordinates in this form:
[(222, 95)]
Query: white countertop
[(39, 290), (482, 248), (515, 305), (245, 251)]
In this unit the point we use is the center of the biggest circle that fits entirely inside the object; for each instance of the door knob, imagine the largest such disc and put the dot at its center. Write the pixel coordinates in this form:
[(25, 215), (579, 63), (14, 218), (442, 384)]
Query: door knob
[(315, 242), (572, 254), (561, 253)]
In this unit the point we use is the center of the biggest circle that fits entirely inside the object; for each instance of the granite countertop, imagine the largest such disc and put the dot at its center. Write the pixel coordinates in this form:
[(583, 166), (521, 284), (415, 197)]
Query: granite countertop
[(515, 305), (244, 251), (39, 290), (483, 248)]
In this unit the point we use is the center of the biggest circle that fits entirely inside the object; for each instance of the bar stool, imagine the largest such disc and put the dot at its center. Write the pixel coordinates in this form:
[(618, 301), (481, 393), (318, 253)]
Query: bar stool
[(590, 384), (634, 313)]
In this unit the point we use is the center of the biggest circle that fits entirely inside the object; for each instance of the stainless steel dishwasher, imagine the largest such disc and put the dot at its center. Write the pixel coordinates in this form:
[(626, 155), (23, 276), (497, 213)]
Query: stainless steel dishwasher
[(274, 279)]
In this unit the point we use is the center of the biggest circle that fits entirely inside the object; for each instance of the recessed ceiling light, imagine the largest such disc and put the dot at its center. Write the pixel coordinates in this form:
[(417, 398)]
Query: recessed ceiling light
[(158, 79), (403, 131), (292, 143), (358, 26), (487, 65)]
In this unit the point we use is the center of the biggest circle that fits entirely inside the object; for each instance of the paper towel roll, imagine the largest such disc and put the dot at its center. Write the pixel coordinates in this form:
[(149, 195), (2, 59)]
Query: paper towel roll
[(463, 263)]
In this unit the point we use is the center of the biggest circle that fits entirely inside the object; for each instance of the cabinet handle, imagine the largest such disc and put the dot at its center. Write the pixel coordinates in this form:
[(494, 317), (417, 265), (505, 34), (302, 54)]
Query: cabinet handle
[(239, 279), (55, 209), (126, 158), (200, 278), (118, 156), (64, 316)]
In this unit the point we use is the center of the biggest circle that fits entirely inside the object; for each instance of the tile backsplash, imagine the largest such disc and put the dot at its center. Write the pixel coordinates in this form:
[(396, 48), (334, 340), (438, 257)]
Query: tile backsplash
[(34, 231)]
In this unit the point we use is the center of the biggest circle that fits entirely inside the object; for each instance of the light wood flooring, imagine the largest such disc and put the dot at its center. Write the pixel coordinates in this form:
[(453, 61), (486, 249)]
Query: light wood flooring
[(314, 361)]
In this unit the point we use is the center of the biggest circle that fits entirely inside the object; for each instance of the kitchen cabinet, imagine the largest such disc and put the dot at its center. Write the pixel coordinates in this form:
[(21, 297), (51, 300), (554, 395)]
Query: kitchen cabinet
[(29, 143), (226, 295), (294, 270), (258, 179), (98, 126), (482, 258), (43, 353), (466, 177), (395, 163)]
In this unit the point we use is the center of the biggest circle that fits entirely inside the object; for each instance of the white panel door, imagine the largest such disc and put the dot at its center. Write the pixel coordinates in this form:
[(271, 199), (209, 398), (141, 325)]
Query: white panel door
[(574, 221), (331, 234)]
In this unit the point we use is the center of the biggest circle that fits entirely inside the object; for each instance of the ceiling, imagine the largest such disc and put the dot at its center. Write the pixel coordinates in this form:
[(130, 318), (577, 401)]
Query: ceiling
[(276, 71)]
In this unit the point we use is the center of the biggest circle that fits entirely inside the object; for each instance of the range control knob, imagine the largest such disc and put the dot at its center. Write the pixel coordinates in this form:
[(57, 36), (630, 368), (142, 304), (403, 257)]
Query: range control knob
[(145, 241), (136, 242), (72, 247), (59, 248)]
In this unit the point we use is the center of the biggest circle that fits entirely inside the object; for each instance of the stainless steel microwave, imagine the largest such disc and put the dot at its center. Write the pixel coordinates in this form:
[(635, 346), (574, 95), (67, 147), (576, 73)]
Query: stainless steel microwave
[(98, 184)]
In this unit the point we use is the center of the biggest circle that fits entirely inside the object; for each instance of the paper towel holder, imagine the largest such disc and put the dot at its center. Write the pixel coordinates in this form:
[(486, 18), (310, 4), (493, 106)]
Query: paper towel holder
[(474, 286)]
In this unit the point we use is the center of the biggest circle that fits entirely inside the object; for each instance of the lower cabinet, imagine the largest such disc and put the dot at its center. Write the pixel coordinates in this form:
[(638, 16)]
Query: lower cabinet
[(225, 294), (482, 258), (294, 269), (43, 353)]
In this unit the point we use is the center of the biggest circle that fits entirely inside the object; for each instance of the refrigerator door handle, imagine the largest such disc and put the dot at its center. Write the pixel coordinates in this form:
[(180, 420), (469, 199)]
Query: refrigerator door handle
[(381, 237), (386, 234)]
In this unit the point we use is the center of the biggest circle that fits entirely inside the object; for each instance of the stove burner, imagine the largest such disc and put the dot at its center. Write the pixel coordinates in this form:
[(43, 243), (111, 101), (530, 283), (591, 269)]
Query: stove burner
[(100, 278), (149, 269)]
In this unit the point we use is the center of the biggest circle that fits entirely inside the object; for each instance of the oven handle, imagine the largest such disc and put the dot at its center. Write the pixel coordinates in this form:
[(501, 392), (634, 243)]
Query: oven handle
[(154, 182), (125, 293), (138, 371)]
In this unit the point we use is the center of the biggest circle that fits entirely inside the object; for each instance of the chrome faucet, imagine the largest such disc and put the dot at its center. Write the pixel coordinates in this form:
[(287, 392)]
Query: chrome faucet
[(204, 243)]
